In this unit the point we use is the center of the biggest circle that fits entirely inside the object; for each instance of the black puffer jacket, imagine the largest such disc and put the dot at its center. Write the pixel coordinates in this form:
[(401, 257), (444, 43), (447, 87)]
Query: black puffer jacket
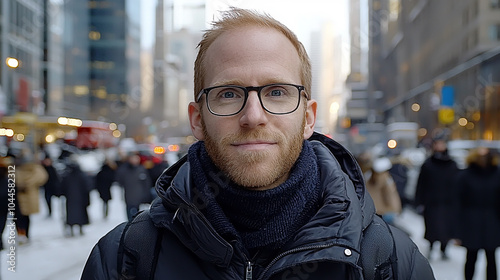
[(478, 199), (327, 247)]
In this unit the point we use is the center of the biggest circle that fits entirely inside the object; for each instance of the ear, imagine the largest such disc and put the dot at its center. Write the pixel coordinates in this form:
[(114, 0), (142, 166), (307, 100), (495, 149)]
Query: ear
[(195, 120), (310, 118)]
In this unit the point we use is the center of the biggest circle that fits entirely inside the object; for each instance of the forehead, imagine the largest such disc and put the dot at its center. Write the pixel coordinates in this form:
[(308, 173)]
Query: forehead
[(250, 51)]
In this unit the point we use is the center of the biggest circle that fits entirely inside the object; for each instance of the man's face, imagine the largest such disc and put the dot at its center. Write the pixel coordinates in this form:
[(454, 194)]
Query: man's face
[(254, 148), (134, 160), (439, 146), (46, 161)]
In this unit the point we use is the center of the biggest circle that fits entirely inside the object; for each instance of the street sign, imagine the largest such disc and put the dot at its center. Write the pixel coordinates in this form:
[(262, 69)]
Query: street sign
[(446, 115)]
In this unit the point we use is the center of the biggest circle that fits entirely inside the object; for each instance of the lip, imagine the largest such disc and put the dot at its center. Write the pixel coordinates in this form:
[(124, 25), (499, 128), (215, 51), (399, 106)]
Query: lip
[(254, 145)]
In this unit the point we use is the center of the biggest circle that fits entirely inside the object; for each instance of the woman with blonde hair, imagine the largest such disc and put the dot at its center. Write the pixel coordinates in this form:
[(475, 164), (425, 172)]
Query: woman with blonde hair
[(30, 176), (382, 189)]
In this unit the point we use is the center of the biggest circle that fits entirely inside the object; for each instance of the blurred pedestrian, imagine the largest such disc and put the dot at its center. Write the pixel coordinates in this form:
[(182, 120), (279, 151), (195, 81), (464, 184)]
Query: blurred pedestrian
[(157, 168), (135, 180), (434, 195), (103, 181), (478, 200), (382, 189), (364, 160), (30, 176), (52, 186), (6, 197), (399, 173), (76, 187)]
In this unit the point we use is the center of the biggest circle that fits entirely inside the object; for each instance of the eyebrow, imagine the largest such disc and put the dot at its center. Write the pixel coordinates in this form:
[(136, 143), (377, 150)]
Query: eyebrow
[(228, 82), (238, 82)]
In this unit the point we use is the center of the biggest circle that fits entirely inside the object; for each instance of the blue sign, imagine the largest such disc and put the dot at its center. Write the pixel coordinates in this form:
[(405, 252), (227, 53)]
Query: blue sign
[(447, 96)]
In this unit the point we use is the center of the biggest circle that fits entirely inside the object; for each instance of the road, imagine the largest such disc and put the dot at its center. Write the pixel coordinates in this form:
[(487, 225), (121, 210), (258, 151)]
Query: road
[(52, 256)]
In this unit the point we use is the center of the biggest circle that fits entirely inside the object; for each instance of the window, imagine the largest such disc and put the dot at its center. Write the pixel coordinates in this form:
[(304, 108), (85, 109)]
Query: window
[(495, 32), (394, 9)]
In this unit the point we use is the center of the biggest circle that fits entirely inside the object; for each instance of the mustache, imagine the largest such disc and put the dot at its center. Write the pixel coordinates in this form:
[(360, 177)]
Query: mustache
[(259, 134)]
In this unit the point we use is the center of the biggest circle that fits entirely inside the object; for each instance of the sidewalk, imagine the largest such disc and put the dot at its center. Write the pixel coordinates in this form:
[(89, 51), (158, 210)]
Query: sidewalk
[(451, 269), (50, 255)]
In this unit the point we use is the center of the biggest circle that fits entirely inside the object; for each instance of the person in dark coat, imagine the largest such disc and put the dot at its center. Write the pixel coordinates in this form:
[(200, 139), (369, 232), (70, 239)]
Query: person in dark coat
[(434, 196), (135, 180), (399, 172), (155, 166), (104, 179), (6, 194), (76, 186), (479, 223), (53, 185), (260, 195)]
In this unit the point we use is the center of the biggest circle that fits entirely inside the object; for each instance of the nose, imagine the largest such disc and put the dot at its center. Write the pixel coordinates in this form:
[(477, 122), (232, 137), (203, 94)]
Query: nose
[(253, 115)]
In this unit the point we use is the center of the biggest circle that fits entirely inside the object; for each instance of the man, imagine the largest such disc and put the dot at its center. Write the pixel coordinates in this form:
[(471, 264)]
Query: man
[(434, 196), (399, 172), (134, 179), (253, 199), (53, 185)]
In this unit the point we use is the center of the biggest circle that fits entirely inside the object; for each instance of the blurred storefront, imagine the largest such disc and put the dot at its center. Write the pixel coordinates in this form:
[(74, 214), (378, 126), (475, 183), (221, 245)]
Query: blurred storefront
[(438, 69), (36, 131)]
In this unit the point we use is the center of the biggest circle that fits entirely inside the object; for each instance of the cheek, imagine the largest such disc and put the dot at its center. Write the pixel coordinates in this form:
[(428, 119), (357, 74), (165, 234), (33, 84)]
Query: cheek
[(293, 124), (215, 129)]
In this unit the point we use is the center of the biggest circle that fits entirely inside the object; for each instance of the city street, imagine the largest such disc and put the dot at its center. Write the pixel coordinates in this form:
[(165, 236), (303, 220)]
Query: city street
[(52, 256)]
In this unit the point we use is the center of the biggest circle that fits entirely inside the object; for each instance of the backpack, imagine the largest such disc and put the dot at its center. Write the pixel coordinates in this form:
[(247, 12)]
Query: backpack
[(138, 256)]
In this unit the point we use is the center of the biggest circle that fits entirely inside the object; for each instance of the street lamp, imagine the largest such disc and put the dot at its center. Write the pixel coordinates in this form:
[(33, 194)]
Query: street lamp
[(6, 95), (12, 62)]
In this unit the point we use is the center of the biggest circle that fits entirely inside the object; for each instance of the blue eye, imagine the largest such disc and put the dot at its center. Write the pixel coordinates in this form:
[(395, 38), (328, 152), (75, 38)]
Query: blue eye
[(228, 94), (276, 92)]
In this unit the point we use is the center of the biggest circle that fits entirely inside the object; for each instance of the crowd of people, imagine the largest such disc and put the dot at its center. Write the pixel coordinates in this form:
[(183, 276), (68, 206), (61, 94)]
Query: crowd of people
[(458, 206), (34, 178)]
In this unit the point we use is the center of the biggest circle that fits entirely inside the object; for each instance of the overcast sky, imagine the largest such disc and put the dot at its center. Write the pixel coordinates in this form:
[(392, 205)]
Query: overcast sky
[(301, 16)]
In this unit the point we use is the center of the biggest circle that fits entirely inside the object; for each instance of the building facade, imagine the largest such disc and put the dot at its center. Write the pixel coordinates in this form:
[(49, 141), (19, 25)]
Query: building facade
[(178, 31), (21, 54), (76, 57), (356, 120), (436, 63), (114, 60)]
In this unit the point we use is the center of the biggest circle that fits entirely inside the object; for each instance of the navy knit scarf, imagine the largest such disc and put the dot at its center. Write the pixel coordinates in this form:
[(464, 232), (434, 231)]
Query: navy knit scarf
[(257, 219)]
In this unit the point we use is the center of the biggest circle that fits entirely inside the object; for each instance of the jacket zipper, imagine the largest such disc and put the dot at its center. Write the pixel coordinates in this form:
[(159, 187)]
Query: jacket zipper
[(249, 265), (291, 252), (248, 271)]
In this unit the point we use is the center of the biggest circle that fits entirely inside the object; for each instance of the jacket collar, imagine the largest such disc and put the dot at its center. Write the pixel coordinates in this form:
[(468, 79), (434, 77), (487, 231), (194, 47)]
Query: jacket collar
[(350, 167), (345, 204)]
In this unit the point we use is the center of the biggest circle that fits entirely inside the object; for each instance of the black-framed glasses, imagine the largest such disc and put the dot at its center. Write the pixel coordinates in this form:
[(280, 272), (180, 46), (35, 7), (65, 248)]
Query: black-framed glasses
[(278, 99)]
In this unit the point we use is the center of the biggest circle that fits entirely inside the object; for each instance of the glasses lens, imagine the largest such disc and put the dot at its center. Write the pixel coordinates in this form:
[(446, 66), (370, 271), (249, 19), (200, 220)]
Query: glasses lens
[(225, 100), (280, 99)]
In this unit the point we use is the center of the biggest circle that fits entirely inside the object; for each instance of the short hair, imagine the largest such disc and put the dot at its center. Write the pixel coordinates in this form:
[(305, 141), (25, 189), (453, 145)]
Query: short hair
[(236, 18)]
